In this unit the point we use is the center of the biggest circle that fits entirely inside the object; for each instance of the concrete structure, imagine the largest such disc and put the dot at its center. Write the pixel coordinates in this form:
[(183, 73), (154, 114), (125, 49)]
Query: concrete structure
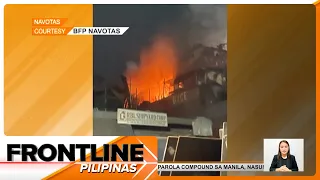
[(105, 124)]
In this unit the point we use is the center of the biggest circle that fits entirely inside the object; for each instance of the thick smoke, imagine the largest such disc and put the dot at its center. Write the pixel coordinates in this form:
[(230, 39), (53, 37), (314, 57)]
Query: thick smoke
[(208, 24), (186, 25)]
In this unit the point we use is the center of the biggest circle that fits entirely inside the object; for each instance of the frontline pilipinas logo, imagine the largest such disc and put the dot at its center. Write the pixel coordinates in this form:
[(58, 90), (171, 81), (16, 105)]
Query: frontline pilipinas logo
[(60, 26), (130, 157)]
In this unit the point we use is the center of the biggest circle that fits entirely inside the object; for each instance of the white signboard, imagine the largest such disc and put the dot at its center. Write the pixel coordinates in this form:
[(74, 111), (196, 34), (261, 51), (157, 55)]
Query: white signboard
[(142, 118)]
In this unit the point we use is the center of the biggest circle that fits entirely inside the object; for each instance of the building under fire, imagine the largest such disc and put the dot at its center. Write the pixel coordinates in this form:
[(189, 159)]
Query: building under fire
[(199, 89)]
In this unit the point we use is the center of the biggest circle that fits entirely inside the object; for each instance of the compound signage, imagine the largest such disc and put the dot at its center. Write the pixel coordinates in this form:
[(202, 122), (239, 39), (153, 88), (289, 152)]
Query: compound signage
[(142, 118)]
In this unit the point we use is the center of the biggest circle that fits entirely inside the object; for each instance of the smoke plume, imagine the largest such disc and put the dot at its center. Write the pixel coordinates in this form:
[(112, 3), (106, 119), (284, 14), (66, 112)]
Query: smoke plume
[(208, 24), (163, 58)]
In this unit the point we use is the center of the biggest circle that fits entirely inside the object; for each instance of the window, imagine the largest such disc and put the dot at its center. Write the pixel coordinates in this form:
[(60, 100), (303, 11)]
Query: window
[(211, 75), (180, 85), (201, 78)]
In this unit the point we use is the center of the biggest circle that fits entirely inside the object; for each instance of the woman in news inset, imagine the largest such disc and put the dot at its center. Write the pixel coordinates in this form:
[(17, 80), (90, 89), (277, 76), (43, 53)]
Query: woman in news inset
[(284, 161)]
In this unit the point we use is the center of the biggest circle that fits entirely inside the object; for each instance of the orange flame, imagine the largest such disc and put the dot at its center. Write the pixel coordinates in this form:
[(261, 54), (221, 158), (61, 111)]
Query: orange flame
[(157, 66)]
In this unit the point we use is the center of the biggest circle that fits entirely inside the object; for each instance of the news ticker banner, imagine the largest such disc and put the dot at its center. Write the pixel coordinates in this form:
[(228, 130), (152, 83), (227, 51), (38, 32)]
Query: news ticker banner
[(131, 167), (130, 157), (55, 27)]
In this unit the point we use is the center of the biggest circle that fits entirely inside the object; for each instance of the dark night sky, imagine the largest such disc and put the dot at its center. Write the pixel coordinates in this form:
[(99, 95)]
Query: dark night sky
[(144, 21)]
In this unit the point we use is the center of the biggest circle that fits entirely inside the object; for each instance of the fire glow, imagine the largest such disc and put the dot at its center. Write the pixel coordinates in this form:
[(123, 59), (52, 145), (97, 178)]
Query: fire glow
[(157, 66)]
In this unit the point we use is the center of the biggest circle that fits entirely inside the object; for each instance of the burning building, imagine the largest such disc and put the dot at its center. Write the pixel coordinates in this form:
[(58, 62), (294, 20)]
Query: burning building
[(158, 64), (187, 88), (200, 84), (161, 82)]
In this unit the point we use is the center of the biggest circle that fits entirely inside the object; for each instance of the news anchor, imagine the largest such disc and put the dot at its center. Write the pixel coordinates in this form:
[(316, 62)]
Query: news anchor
[(284, 161)]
